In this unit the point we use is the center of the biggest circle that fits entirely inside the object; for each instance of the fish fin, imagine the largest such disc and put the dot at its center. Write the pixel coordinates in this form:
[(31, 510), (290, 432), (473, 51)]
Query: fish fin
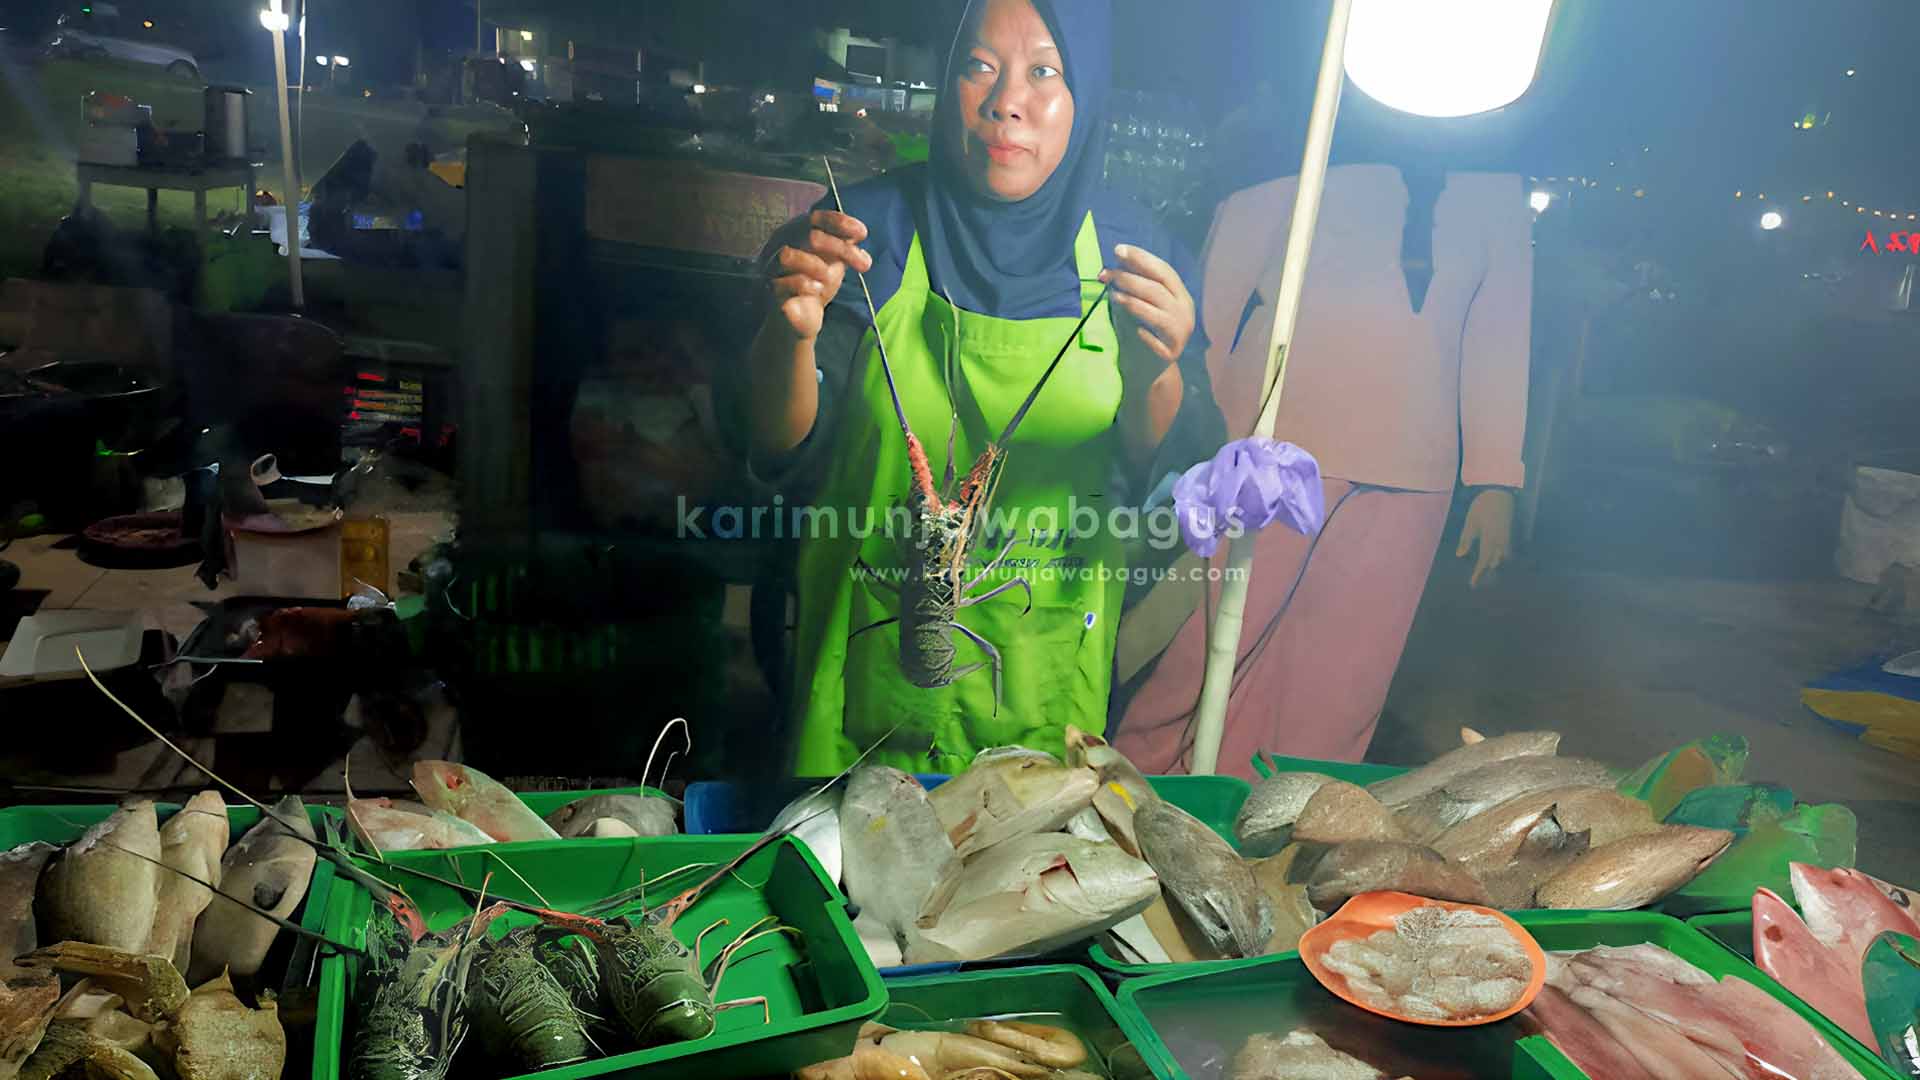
[(942, 893), (1468, 736)]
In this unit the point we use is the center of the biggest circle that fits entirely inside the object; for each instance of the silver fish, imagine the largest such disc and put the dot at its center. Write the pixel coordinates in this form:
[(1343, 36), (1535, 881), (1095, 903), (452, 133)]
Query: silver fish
[(103, 890), (814, 820), (893, 848), (1376, 865), (1340, 812), (1495, 835), (1400, 790), (1428, 817), (191, 841), (1547, 848), (1122, 788), (1031, 894), (1265, 822), (1208, 879), (20, 870), (648, 815), (1636, 871), (1003, 795), (270, 868)]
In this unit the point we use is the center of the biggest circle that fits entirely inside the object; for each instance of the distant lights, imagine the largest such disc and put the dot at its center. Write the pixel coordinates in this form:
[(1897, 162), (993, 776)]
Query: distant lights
[(1849, 73)]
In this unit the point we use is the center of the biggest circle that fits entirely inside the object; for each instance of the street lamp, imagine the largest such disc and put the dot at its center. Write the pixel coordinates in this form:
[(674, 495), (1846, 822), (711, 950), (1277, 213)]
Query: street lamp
[(1445, 59)]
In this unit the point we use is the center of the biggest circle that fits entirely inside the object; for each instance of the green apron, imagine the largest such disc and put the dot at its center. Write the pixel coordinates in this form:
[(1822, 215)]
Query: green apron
[(1053, 495)]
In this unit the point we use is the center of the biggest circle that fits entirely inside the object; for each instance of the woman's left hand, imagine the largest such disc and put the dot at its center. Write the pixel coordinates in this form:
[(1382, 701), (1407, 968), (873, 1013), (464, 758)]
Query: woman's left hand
[(1153, 302), (1490, 526)]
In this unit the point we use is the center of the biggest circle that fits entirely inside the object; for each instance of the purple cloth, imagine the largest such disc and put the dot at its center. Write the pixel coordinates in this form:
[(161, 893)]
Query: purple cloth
[(1247, 486)]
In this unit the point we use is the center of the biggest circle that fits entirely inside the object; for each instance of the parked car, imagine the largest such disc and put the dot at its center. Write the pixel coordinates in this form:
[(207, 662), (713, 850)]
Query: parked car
[(98, 31)]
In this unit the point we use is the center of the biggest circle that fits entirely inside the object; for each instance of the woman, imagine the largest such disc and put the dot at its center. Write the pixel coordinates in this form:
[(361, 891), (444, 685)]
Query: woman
[(1407, 376), (980, 263)]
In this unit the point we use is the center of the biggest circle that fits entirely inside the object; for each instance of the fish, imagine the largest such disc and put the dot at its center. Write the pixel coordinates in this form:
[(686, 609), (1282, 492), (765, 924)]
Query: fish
[(103, 890), (1636, 871), (1122, 788), (814, 820), (1741, 1027), (398, 825), (1298, 1055), (1784, 948), (1468, 794), (270, 868), (1846, 909), (1546, 849), (1339, 812), (893, 849), (471, 795), (20, 869), (1265, 822), (191, 842), (1348, 870), (214, 1036), (609, 827), (1003, 795), (1398, 791), (1586, 1042), (1494, 836), (1030, 894), (647, 815), (1206, 877)]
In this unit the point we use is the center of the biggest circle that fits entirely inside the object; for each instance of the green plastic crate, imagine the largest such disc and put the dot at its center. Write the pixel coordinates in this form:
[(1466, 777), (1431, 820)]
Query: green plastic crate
[(541, 803), (1733, 929), (1488, 1050), (1359, 774), (64, 824), (820, 988), (1083, 1004)]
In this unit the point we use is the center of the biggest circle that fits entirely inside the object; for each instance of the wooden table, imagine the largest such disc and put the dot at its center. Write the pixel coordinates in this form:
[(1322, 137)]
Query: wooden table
[(156, 178)]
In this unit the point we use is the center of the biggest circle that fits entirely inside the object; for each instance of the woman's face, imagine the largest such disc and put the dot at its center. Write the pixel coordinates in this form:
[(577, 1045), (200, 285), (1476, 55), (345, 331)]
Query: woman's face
[(1016, 114)]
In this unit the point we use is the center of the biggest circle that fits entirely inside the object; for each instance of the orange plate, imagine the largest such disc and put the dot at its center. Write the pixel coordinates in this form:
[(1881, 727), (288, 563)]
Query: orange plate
[(1370, 913)]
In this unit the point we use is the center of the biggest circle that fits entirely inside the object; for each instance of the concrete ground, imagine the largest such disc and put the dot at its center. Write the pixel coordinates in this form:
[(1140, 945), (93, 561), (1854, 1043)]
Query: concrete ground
[(1630, 666)]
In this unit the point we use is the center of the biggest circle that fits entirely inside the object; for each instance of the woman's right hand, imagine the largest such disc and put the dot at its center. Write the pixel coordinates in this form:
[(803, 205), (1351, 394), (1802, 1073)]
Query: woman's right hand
[(809, 269)]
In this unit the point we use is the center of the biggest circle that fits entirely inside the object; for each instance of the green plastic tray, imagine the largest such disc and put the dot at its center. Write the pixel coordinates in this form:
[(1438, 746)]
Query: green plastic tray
[(540, 802), (1083, 1004), (821, 988), (1489, 1050)]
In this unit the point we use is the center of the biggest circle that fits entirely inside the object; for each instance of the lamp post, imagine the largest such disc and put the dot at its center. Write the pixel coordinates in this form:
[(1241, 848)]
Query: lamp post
[(1436, 58), (274, 18)]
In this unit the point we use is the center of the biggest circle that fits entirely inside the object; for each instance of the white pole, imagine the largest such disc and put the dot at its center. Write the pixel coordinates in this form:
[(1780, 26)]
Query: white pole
[(291, 198), (1223, 642)]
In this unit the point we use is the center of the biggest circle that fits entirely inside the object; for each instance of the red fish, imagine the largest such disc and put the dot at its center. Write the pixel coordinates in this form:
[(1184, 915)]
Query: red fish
[(1785, 949)]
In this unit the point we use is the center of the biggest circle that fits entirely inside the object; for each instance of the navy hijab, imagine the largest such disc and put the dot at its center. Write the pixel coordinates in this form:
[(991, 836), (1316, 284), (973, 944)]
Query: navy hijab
[(996, 258)]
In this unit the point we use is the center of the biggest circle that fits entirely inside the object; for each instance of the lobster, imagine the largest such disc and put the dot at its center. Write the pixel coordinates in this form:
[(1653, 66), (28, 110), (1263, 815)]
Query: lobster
[(945, 531)]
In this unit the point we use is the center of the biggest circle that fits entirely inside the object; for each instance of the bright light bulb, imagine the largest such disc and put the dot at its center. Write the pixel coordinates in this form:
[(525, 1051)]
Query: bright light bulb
[(274, 20), (321, 60), (1540, 200), (528, 66), (769, 99), (526, 35), (1445, 58), (699, 88), (341, 61), (1771, 220)]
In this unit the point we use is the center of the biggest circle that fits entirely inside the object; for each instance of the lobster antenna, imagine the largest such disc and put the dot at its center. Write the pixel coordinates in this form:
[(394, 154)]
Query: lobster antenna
[(1021, 413), (886, 368)]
